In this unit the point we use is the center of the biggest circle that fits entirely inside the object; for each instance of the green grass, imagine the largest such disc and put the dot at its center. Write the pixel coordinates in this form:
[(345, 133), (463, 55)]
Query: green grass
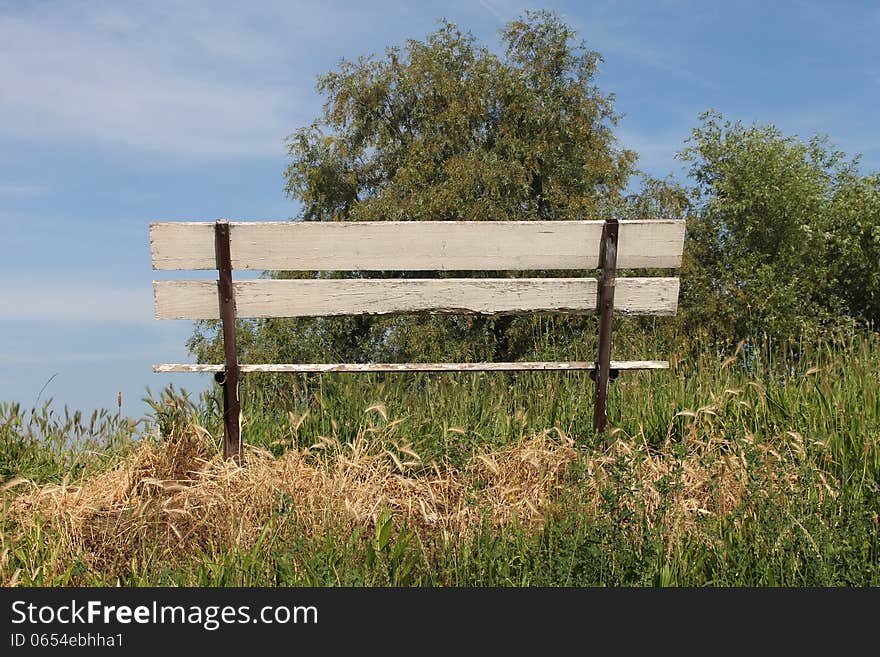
[(805, 430), (44, 444), (830, 395)]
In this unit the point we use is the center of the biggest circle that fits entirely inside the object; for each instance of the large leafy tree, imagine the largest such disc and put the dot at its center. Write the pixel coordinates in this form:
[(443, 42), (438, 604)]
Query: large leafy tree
[(445, 129), (784, 238), (853, 251)]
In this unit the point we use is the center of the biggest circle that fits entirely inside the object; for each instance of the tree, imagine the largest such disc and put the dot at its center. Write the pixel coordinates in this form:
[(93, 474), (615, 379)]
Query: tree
[(443, 129), (783, 239), (447, 130), (854, 248)]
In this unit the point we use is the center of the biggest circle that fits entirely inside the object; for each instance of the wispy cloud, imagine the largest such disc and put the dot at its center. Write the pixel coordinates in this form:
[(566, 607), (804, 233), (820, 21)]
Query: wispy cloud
[(495, 11), (656, 150), (612, 28), (91, 357), (72, 300), (169, 77), (14, 189)]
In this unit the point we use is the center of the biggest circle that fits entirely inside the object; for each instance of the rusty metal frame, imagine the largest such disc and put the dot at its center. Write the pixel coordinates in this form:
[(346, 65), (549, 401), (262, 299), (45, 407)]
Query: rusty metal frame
[(603, 372), (228, 379)]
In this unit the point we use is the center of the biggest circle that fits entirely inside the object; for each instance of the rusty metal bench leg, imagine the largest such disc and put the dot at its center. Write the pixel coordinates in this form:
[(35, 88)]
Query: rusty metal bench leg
[(229, 377), (608, 263)]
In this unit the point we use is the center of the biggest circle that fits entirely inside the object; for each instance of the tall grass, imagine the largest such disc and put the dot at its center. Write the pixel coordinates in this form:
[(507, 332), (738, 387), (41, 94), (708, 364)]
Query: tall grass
[(741, 465), (828, 393), (45, 444)]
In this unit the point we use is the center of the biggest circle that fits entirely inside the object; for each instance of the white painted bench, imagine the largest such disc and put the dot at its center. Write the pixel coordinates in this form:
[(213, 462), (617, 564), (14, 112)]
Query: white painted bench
[(459, 246)]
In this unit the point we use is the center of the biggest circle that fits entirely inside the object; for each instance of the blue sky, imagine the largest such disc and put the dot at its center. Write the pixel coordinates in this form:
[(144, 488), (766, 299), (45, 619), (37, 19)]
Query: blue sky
[(115, 114)]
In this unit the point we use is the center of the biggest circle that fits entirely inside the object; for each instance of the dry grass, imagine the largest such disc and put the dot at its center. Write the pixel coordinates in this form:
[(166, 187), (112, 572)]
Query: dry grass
[(176, 500)]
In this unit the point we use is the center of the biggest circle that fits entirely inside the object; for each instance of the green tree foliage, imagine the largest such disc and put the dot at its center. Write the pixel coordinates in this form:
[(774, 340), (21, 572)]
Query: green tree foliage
[(783, 237), (854, 247), (444, 129), (783, 234)]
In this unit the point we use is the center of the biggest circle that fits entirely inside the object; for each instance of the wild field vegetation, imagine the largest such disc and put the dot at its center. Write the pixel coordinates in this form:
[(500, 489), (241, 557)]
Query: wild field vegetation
[(732, 468), (753, 460)]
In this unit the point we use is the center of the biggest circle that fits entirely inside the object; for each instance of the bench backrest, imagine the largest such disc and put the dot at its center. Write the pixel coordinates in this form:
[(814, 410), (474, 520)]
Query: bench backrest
[(415, 246), (455, 247)]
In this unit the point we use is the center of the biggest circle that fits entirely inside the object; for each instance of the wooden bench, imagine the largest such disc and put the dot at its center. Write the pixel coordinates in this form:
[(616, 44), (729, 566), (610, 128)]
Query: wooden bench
[(450, 246)]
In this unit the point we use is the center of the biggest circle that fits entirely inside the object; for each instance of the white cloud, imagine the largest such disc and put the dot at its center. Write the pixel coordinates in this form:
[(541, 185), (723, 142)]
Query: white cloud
[(656, 151), (168, 77), (72, 300), (495, 11), (14, 189), (90, 357)]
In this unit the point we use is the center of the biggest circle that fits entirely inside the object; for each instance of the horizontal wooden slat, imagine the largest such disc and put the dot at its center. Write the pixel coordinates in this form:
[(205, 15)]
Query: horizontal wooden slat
[(417, 367), (416, 245), (483, 296)]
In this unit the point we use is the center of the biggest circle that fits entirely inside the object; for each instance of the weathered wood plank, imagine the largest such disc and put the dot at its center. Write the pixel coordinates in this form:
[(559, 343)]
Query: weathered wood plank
[(417, 367), (416, 245), (484, 296)]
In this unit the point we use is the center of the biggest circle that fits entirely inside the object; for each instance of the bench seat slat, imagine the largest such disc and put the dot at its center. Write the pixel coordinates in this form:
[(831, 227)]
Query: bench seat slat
[(485, 296), (416, 367), (416, 245)]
